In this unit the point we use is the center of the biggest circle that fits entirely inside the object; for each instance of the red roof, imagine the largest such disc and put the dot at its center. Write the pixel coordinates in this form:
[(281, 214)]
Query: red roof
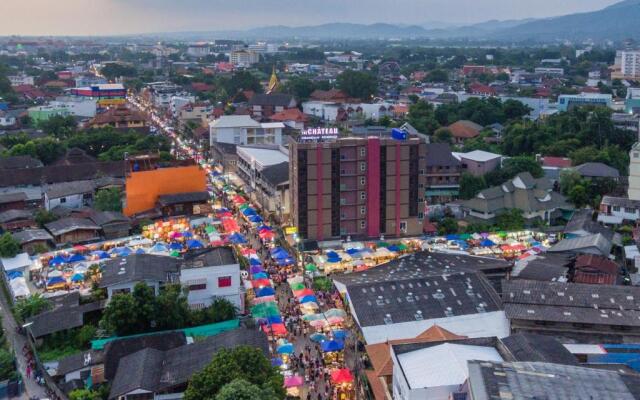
[(290, 114), (557, 162), (202, 87), (464, 129), (594, 263), (329, 95), (473, 69), (479, 88)]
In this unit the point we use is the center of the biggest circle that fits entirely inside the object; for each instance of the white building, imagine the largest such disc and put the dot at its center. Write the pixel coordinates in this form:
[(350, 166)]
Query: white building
[(212, 273), (329, 111), (199, 50), (244, 58), (177, 102), (436, 372), (71, 195), (634, 172), (77, 106), (162, 92), (7, 119), (21, 79), (630, 63), (549, 71), (242, 130)]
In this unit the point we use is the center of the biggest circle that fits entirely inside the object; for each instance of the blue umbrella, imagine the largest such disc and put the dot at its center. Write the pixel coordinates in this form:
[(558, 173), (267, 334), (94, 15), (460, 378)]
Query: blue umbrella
[(274, 319), (175, 246), (267, 227), (187, 234), (76, 257), (308, 299), (55, 280), (487, 243), (452, 237), (284, 261), (256, 219), (286, 348), (340, 334), (14, 274), (255, 269), (57, 260), (276, 362), (394, 248), (254, 261), (352, 251), (140, 251), (194, 244), (101, 254), (318, 337), (249, 211), (237, 238), (77, 277), (265, 291), (122, 251), (260, 275), (331, 346)]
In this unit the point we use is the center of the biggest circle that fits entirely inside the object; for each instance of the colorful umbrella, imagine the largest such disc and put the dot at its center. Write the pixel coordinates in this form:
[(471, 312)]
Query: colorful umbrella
[(318, 337), (340, 376), (265, 291), (293, 381), (311, 267), (308, 299), (330, 346), (194, 244)]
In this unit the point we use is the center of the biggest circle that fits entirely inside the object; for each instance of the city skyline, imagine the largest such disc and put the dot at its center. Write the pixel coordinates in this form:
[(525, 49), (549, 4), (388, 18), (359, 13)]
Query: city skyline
[(121, 17)]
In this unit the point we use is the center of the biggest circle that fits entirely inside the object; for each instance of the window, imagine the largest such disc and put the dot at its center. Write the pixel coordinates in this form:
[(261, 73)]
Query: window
[(224, 281), (403, 226), (363, 195), (363, 224), (616, 208), (362, 181), (198, 286), (363, 151), (363, 210), (63, 200), (420, 215), (363, 166)]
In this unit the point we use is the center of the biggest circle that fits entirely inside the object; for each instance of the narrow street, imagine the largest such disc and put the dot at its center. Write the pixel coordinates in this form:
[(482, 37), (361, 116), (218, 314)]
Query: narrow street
[(17, 342)]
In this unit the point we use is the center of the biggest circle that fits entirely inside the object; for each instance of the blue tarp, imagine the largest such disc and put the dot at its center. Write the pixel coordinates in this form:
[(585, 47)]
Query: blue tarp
[(122, 251), (340, 334), (260, 275), (254, 261), (452, 237), (284, 261), (274, 319), (57, 260), (265, 291), (140, 251), (14, 274), (276, 362), (487, 243), (394, 247), (279, 253), (194, 244), (308, 299), (332, 345), (55, 280), (101, 254), (76, 258), (237, 238), (249, 211), (256, 219), (78, 277), (352, 251), (285, 349), (267, 227), (175, 246), (398, 134), (256, 269), (187, 234), (159, 248)]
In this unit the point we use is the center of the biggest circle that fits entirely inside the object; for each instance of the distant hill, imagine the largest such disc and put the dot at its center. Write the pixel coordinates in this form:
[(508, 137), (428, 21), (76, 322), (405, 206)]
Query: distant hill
[(339, 30)]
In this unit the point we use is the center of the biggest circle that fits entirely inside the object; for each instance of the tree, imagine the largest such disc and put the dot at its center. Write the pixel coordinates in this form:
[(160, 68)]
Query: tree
[(9, 246), (579, 196), (240, 389), (171, 308), (59, 126), (443, 135), (112, 71), (357, 84), (84, 394), (30, 306), (43, 217), (130, 313), (243, 362), (108, 200), (438, 75), (471, 185), (568, 180), (422, 117), (515, 165), (7, 365), (242, 80), (511, 220), (447, 225)]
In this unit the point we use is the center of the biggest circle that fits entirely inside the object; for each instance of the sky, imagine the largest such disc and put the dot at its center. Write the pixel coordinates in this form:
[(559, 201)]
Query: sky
[(109, 17)]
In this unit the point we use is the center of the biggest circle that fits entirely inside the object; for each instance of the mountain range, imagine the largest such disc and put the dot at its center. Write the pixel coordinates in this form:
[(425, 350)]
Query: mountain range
[(616, 22)]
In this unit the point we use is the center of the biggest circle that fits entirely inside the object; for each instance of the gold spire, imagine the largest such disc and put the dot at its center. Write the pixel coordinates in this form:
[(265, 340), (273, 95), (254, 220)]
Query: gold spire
[(273, 82)]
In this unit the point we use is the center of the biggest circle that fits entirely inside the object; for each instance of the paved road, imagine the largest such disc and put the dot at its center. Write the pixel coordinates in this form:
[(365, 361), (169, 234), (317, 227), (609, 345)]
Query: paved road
[(17, 342)]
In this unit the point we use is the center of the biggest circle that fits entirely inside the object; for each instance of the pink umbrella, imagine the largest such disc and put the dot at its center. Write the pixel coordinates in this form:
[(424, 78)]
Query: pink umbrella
[(319, 323), (292, 381)]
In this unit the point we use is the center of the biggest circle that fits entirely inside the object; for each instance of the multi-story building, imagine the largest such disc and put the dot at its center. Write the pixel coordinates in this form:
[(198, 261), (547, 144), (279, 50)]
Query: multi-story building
[(630, 64), (109, 94), (177, 102), (357, 186), (197, 112), (121, 118), (244, 58), (21, 79), (442, 174), (242, 130), (568, 101), (161, 93)]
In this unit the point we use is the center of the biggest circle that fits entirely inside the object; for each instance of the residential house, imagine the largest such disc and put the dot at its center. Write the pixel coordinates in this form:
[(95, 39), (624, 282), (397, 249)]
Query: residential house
[(155, 374), (242, 130), (73, 230), (479, 89), (292, 118), (616, 210), (573, 312), (331, 95), (479, 162), (596, 270), (121, 118), (263, 106), (181, 203), (120, 275), (32, 240), (553, 166), (534, 197), (196, 113), (13, 201), (225, 155), (19, 162), (597, 170), (210, 274), (252, 162), (273, 190), (596, 243), (7, 119), (13, 220), (113, 224), (442, 174), (69, 194), (463, 130)]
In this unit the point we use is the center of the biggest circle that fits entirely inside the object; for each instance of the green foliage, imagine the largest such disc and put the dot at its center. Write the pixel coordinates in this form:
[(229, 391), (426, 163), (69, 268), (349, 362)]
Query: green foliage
[(114, 70), (578, 195), (438, 75), (84, 336), (30, 306), (97, 393), (447, 225), (171, 309), (581, 191), (422, 117), (322, 283), (511, 220), (302, 88), (515, 165), (43, 217), (9, 247), (240, 81), (240, 389), (481, 111), (243, 362), (108, 200), (7, 366), (357, 84), (443, 135), (59, 126), (471, 185)]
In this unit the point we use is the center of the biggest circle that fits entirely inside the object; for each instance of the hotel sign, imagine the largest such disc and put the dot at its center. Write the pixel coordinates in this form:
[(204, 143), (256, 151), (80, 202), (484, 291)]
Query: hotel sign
[(319, 134)]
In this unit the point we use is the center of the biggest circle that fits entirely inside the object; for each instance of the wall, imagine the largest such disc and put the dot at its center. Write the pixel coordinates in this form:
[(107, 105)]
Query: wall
[(144, 187), (72, 201), (211, 274)]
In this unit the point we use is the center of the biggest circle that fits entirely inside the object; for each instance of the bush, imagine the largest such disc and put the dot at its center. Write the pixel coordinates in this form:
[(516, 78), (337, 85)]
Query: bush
[(84, 336)]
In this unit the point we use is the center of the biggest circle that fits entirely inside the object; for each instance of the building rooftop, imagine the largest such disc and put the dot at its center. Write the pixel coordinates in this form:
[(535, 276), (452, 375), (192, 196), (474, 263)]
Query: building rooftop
[(32, 235), (138, 267), (58, 190), (537, 380), (593, 244), (209, 257), (440, 155), (179, 198), (478, 156), (263, 156), (234, 121), (597, 170), (571, 302), (276, 174), (70, 224)]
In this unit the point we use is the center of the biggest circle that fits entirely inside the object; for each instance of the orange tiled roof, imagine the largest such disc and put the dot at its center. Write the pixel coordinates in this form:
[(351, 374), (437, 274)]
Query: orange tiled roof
[(290, 114)]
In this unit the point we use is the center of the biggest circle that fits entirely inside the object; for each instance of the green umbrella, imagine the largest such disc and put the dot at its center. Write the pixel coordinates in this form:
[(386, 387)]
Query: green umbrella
[(382, 244), (297, 286), (210, 229), (465, 236), (175, 254), (502, 234), (264, 310), (402, 247), (243, 206), (311, 267)]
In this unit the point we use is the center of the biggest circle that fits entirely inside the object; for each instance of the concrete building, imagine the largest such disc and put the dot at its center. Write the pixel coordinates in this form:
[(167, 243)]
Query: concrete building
[(332, 111), (630, 64), (478, 162), (161, 93), (21, 79), (244, 58), (442, 174), (358, 186), (242, 130), (43, 113), (176, 103), (106, 94), (634, 172), (567, 101), (77, 106), (632, 101)]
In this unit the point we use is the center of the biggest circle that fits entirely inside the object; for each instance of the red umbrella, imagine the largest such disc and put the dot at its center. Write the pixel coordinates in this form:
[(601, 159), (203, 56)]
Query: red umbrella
[(303, 292), (80, 247), (260, 283), (276, 329), (266, 234), (239, 199), (339, 376)]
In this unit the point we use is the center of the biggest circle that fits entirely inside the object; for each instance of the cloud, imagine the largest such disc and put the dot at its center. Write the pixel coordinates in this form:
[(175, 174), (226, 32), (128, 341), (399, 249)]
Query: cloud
[(103, 17)]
